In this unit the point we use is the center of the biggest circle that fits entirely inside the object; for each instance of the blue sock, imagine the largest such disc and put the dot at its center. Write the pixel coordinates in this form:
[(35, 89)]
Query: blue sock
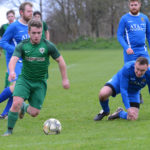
[(9, 103), (123, 115), (104, 105), (5, 94)]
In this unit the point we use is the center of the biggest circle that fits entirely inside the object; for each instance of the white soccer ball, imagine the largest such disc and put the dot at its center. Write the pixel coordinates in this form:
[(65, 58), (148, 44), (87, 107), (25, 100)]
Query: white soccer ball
[(52, 126)]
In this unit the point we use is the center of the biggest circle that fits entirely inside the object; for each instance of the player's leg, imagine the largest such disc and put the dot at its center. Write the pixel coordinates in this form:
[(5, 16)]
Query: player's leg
[(37, 97), (111, 88), (4, 114), (20, 93), (7, 92), (13, 114), (9, 103), (104, 94)]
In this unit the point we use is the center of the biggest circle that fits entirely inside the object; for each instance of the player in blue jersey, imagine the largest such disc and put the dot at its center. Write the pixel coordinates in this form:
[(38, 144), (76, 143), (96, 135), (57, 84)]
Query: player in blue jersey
[(128, 81), (134, 28), (15, 33)]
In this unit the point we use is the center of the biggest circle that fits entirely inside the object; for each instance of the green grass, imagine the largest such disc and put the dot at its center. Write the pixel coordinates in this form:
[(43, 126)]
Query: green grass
[(88, 70), (90, 43)]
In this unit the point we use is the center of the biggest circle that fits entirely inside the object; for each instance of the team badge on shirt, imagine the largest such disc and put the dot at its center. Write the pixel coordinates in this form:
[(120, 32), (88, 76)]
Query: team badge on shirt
[(142, 18), (143, 80), (42, 50)]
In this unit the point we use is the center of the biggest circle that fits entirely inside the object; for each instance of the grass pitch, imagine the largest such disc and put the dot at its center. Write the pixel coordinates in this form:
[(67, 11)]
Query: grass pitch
[(88, 70)]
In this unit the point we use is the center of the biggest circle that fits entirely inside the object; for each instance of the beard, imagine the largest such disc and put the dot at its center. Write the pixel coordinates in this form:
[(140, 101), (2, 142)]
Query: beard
[(26, 18), (135, 11)]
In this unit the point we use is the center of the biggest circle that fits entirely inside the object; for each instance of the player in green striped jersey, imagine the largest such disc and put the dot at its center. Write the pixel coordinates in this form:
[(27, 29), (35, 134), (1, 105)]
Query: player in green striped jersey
[(31, 84)]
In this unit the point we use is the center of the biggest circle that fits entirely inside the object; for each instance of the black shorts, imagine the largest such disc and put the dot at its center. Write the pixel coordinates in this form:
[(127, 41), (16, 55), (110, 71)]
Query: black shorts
[(132, 104)]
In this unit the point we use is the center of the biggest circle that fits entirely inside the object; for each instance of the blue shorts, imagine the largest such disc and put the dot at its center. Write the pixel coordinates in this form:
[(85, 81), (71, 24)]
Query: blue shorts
[(114, 83), (134, 56), (17, 70)]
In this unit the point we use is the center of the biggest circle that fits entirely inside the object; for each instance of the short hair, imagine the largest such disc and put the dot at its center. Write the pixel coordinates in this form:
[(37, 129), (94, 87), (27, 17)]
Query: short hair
[(134, 1), (10, 12), (34, 23), (142, 61), (23, 5), (37, 13)]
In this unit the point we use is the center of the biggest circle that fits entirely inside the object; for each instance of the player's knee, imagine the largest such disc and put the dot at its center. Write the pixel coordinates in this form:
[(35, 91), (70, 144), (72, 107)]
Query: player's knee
[(103, 95), (15, 108)]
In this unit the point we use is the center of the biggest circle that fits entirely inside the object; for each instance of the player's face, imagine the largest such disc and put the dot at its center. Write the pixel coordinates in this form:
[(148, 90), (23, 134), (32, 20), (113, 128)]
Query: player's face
[(11, 17), (134, 7), (37, 17), (140, 69), (35, 35), (27, 14)]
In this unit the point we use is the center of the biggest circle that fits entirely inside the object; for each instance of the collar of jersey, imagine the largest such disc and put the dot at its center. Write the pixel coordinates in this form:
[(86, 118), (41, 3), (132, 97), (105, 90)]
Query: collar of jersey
[(134, 15)]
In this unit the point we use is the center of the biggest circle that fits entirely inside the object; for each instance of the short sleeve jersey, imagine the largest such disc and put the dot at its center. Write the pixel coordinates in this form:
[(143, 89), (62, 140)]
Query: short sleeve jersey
[(36, 58)]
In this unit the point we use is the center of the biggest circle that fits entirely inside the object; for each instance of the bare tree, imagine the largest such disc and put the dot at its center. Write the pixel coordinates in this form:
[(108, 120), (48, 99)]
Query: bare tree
[(70, 19)]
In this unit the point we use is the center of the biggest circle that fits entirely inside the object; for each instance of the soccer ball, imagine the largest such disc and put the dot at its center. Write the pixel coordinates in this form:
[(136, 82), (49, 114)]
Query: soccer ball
[(52, 126)]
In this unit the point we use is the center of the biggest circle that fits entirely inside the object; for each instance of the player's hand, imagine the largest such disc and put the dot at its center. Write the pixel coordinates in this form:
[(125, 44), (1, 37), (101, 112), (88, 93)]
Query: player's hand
[(132, 113), (65, 83), (12, 76), (130, 51)]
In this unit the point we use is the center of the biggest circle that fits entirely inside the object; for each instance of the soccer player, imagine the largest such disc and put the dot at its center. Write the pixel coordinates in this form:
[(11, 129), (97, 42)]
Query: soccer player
[(10, 17), (31, 84), (128, 81), (45, 33), (15, 33), (134, 28)]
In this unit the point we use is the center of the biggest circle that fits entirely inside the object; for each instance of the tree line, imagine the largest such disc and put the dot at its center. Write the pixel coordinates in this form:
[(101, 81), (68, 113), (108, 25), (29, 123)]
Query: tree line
[(70, 19)]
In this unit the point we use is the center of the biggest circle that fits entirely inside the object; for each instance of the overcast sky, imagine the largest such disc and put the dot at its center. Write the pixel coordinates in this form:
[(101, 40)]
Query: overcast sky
[(3, 15)]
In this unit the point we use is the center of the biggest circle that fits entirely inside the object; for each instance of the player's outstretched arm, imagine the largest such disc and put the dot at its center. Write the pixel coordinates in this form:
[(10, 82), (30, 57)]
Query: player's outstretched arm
[(12, 64), (63, 70)]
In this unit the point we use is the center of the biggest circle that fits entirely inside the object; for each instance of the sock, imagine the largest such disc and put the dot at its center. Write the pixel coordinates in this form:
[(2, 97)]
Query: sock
[(9, 103), (12, 119), (5, 94), (25, 106), (7, 83), (123, 115), (104, 105)]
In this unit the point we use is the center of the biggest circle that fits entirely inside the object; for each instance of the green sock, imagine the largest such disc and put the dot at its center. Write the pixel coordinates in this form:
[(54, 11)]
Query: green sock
[(12, 119), (7, 83), (26, 107)]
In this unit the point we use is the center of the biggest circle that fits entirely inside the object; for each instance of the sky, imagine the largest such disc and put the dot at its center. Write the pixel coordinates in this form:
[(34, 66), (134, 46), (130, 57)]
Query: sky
[(3, 18)]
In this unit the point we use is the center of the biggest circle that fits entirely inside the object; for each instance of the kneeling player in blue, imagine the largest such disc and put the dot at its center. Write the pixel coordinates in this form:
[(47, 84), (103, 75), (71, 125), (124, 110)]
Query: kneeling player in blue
[(134, 76)]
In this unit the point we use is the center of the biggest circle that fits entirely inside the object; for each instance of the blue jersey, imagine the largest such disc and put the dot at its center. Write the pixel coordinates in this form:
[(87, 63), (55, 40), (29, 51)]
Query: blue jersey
[(132, 33), (15, 33), (126, 83)]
